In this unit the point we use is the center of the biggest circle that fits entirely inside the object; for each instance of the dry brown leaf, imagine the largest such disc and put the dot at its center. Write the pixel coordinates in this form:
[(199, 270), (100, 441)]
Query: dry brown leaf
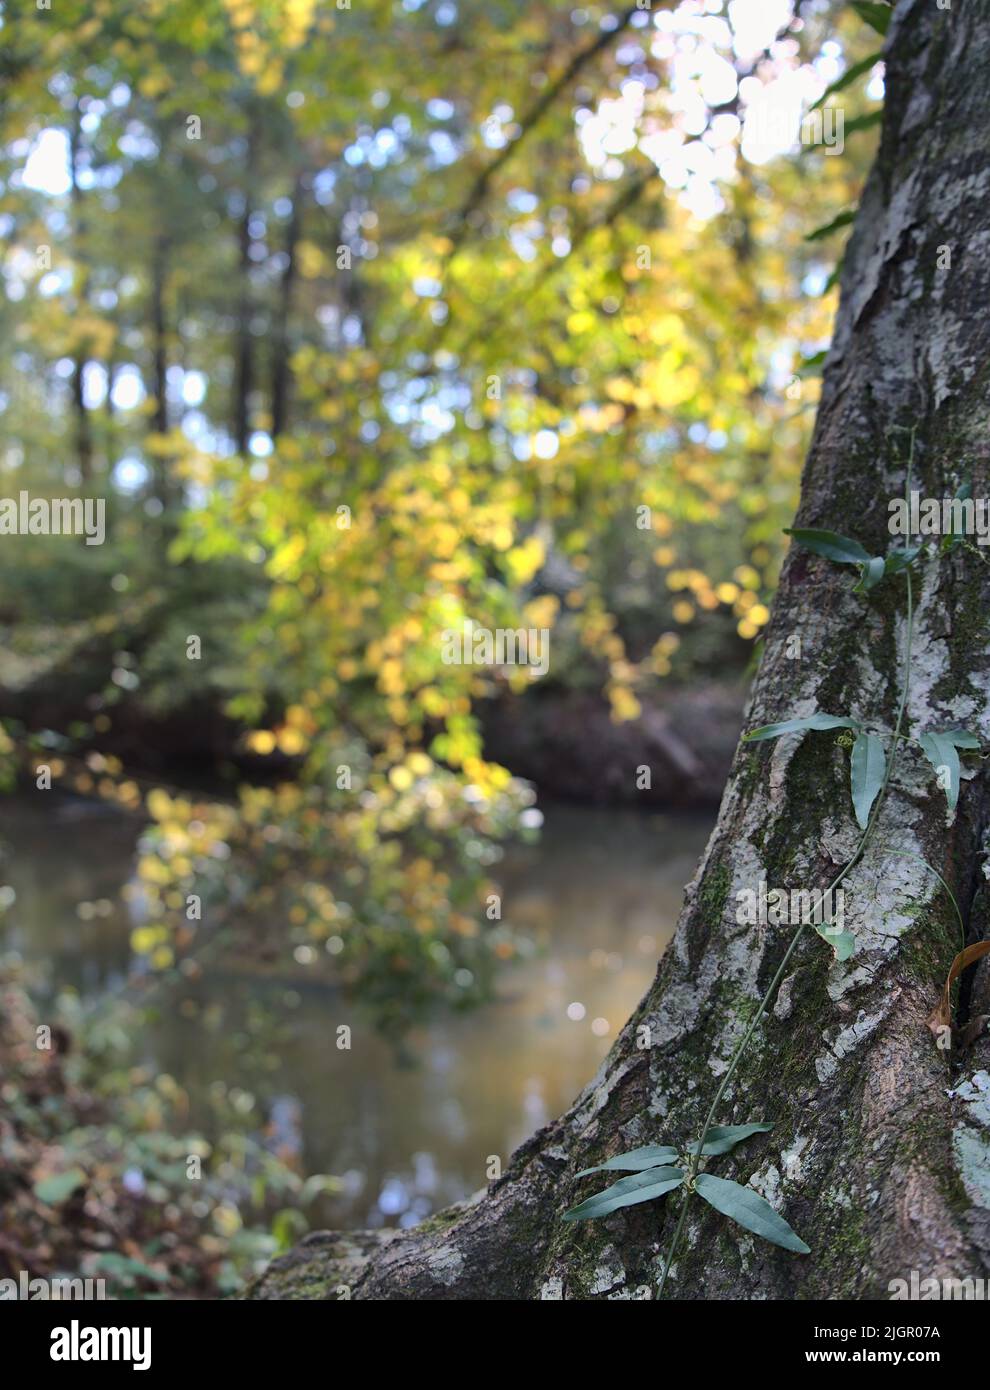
[(940, 1017)]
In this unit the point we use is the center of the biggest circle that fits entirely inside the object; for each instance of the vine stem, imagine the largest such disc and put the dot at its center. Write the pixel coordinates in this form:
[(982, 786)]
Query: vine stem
[(695, 1157)]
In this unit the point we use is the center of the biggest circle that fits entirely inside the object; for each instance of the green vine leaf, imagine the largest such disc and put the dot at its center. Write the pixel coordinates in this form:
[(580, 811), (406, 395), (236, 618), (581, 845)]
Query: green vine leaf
[(793, 726), (962, 738), (898, 560), (812, 366), (834, 278), (843, 943), (867, 766), (848, 77), (842, 549), (940, 750), (870, 574), (649, 1156), (843, 220), (722, 1138), (876, 16), (748, 1209), (871, 119), (638, 1187)]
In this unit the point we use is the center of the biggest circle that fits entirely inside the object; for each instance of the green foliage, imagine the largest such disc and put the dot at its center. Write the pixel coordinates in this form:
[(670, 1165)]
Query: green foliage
[(649, 1156), (940, 748), (627, 1192), (94, 1165), (747, 1208), (865, 122), (652, 1178), (843, 219), (744, 1206), (868, 763), (851, 75), (867, 769), (793, 726), (723, 1138), (386, 893), (877, 16), (844, 551)]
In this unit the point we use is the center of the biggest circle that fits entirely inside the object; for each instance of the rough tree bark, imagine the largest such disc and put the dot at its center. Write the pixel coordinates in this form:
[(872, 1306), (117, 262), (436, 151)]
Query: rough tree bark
[(880, 1156)]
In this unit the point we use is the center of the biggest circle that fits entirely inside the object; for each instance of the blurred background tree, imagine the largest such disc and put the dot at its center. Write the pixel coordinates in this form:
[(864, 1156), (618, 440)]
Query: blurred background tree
[(366, 322)]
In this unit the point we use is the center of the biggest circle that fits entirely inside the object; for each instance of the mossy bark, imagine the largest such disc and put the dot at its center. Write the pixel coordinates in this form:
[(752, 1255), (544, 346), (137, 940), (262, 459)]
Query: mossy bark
[(880, 1154)]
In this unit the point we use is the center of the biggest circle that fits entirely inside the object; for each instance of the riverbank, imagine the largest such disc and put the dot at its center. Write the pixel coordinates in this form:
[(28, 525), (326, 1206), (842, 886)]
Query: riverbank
[(596, 898)]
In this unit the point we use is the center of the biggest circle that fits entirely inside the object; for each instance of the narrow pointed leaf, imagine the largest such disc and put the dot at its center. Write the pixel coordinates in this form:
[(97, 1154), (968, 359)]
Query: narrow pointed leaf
[(793, 726), (876, 16), (812, 366), (833, 279), (649, 1156), (843, 220), (749, 1209), (898, 560), (848, 78), (722, 1138), (867, 766), (638, 1187), (941, 753), (859, 123), (842, 549)]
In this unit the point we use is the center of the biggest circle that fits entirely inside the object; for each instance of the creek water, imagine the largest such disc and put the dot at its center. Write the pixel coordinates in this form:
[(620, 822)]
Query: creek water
[(598, 896)]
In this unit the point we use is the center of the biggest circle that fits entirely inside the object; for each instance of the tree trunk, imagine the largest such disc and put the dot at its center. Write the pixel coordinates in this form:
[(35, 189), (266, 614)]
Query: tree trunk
[(109, 410), (84, 436), (244, 345), (159, 333), (281, 336), (880, 1154)]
